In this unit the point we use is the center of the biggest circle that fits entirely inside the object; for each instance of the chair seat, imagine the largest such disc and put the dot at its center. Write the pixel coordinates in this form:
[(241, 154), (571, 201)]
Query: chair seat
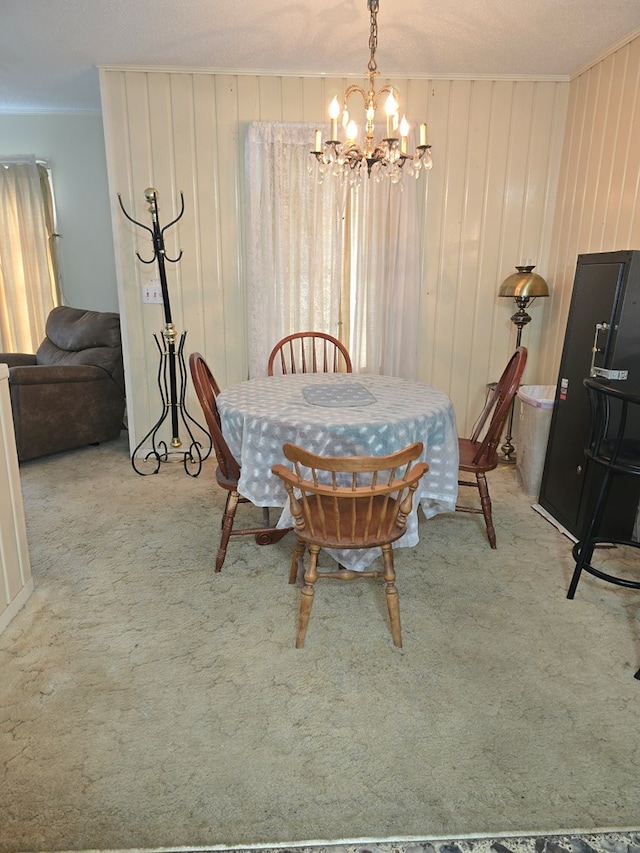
[(468, 450)]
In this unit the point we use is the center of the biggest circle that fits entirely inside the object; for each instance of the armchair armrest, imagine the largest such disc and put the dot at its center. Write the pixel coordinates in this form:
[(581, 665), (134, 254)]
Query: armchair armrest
[(16, 359), (50, 374)]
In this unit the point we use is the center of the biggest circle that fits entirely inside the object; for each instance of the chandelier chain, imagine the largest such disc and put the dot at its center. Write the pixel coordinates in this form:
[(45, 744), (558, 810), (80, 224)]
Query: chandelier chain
[(373, 35)]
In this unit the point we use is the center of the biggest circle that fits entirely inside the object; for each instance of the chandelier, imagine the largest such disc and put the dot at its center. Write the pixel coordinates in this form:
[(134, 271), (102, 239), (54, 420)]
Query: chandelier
[(387, 158)]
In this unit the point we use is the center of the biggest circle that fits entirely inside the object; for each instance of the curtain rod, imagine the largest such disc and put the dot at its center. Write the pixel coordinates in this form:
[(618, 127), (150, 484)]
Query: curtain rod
[(18, 159)]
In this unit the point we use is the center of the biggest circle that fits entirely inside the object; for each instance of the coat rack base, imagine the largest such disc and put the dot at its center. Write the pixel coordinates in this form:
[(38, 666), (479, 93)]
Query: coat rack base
[(197, 448)]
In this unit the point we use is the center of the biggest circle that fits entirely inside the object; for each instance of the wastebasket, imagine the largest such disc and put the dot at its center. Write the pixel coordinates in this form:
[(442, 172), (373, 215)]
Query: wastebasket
[(536, 404)]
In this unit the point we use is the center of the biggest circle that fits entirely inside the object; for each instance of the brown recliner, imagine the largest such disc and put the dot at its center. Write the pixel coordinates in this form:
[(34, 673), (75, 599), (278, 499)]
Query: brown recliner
[(71, 392)]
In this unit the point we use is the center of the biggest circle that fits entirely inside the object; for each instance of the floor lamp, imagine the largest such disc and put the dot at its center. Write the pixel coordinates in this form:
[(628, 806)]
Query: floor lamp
[(522, 286)]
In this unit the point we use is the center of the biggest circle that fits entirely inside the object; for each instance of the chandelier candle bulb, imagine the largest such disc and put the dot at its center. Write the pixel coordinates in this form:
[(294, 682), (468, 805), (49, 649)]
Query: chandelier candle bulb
[(318, 140), (423, 134), (404, 133), (391, 110), (334, 112)]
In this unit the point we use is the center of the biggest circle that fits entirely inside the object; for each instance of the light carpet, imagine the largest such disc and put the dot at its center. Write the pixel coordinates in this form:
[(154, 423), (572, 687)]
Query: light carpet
[(147, 703)]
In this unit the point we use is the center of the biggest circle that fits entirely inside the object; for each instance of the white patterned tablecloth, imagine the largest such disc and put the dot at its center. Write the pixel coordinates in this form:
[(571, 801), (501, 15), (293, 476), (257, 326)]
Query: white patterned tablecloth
[(337, 414)]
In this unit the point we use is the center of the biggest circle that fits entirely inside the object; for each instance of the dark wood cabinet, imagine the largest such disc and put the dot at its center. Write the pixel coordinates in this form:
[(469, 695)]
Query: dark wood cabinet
[(602, 338)]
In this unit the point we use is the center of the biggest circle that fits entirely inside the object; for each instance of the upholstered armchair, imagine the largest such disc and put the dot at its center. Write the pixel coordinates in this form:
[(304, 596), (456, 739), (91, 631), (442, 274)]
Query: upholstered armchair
[(70, 393)]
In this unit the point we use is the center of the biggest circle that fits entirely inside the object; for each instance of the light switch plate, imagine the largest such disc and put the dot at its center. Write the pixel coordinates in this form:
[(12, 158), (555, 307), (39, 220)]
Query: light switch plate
[(152, 292)]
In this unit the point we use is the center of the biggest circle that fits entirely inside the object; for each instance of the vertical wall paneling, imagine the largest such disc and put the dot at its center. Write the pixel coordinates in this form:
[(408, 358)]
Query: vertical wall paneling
[(229, 165), (474, 307), (452, 230), (492, 328), (599, 184), (489, 198), (16, 583), (628, 226), (204, 331)]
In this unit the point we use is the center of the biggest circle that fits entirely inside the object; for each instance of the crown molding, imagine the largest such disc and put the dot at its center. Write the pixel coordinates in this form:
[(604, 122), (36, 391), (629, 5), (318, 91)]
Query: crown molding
[(244, 72), (623, 42)]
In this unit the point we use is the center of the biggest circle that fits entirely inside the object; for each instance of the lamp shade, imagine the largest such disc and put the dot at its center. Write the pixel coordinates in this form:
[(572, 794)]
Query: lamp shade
[(524, 283)]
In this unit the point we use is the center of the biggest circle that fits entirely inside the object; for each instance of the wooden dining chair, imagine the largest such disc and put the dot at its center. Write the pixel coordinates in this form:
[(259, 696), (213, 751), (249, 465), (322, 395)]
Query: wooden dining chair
[(309, 352), (479, 453), (228, 470), (349, 502)]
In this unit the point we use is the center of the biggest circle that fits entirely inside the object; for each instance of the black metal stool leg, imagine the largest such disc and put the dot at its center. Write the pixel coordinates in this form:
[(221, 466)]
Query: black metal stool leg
[(583, 550)]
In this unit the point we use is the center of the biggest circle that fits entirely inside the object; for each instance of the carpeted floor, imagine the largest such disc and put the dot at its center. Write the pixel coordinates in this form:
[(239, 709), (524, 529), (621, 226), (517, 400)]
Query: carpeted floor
[(147, 704)]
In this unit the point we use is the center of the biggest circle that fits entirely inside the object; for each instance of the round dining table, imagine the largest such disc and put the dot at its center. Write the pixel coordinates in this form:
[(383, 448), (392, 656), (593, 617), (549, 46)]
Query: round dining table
[(341, 414)]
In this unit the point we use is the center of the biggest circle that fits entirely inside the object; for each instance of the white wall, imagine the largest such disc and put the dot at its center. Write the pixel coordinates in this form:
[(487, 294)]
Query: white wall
[(74, 144), (491, 196)]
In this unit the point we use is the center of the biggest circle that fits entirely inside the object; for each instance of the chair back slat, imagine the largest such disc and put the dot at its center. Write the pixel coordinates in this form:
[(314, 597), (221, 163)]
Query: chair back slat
[(207, 390), (309, 352), (353, 501), (496, 410)]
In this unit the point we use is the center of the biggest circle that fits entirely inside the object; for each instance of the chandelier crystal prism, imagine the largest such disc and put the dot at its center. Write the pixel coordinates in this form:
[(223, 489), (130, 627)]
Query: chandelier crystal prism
[(386, 159)]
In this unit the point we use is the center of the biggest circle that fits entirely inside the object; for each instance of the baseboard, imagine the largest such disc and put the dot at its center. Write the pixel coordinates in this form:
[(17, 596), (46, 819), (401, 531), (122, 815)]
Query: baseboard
[(543, 512), (16, 605)]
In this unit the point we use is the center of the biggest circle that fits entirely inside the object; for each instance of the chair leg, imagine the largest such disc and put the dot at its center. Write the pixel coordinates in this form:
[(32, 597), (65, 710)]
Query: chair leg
[(306, 597), (296, 557), (485, 503), (391, 591), (227, 523)]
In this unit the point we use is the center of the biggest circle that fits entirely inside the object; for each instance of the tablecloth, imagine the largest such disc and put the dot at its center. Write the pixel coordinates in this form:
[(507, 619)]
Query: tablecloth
[(341, 415)]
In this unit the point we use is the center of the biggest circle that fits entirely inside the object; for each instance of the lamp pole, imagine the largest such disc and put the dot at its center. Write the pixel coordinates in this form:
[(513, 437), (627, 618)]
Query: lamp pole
[(523, 286), (520, 319)]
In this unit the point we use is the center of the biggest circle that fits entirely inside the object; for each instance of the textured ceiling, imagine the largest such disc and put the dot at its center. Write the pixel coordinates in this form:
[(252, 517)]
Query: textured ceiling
[(50, 49)]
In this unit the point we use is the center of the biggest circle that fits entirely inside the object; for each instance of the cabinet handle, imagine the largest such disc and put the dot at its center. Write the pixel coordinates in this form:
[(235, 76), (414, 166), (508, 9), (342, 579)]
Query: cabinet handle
[(603, 372), (595, 349)]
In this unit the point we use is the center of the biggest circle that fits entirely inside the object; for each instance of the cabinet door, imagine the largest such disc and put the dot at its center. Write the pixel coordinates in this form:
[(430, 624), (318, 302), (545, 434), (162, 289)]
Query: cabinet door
[(565, 477)]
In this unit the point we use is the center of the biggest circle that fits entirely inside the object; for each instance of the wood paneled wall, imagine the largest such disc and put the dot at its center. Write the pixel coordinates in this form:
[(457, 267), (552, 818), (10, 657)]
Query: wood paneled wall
[(598, 207), (16, 582), (491, 196)]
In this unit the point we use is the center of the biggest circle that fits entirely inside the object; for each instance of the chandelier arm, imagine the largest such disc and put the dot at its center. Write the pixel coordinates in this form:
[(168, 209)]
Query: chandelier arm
[(350, 90), (366, 95), (389, 90)]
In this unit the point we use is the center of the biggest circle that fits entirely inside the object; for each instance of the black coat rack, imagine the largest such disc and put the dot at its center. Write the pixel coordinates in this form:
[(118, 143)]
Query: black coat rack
[(172, 365)]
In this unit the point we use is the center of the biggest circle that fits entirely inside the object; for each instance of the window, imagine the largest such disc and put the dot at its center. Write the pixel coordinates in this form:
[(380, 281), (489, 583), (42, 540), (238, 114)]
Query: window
[(323, 258), (28, 280)]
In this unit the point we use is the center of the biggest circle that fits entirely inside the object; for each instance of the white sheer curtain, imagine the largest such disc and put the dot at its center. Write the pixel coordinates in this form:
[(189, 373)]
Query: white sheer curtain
[(299, 268), (294, 240), (27, 280), (386, 261)]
